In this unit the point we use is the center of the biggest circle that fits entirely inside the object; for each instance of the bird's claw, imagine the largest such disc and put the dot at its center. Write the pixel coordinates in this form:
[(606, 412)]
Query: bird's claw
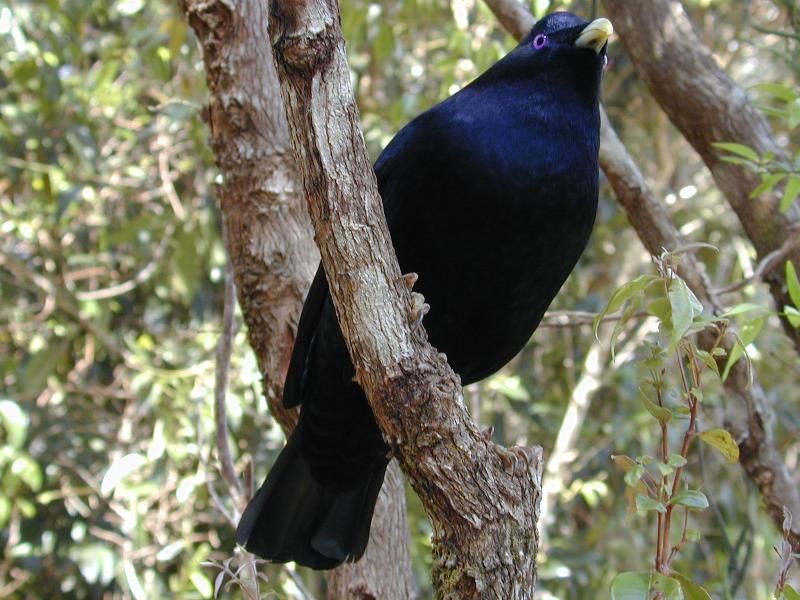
[(419, 308), (410, 279), (517, 460)]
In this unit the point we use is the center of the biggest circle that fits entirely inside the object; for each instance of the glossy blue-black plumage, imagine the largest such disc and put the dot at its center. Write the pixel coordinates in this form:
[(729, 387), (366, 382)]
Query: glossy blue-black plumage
[(490, 196)]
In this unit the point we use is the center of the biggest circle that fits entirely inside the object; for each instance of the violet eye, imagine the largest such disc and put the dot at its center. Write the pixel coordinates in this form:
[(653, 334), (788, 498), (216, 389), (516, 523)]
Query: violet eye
[(540, 41)]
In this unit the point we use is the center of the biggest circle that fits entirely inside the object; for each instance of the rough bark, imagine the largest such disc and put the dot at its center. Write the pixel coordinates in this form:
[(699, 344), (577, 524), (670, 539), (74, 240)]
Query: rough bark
[(758, 454), (707, 106), (482, 499), (269, 240)]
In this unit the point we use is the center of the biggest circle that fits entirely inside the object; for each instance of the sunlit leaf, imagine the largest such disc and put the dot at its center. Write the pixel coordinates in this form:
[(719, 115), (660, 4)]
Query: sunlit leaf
[(749, 332), (120, 469), (790, 593), (722, 441), (15, 423), (201, 582)]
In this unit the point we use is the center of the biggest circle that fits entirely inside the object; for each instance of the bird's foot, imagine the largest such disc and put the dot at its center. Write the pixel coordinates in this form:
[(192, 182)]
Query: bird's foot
[(410, 279), (517, 460), (419, 308)]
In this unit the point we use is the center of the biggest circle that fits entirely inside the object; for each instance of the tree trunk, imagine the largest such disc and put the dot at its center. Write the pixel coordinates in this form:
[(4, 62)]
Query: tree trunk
[(482, 500), (271, 247), (707, 106)]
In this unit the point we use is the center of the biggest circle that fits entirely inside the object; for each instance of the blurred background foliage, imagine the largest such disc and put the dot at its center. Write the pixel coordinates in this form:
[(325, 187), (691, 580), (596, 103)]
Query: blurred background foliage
[(111, 264)]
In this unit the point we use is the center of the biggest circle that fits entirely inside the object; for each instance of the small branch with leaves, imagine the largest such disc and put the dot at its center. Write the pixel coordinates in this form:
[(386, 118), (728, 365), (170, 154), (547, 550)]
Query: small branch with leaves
[(659, 483)]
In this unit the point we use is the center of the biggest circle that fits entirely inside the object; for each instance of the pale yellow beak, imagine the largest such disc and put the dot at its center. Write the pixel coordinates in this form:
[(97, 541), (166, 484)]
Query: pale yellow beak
[(595, 34)]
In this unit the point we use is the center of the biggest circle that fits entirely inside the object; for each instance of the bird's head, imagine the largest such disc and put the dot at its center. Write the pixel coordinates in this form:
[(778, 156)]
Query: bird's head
[(562, 35), (562, 50)]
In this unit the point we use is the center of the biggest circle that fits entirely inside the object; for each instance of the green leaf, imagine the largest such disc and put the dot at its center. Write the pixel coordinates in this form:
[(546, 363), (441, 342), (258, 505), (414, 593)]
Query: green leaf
[(691, 499), (633, 476), (749, 332), (510, 386), (722, 441), (792, 315), (633, 307), (661, 414), (691, 591), (676, 460), (768, 182), (646, 503), (15, 422), (631, 586), (665, 469), (790, 593), (660, 309), (736, 160), (202, 583), (708, 360), (622, 295), (120, 469), (685, 307), (778, 90), (793, 283), (791, 192), (28, 471), (794, 114), (744, 307), (740, 149), (670, 588)]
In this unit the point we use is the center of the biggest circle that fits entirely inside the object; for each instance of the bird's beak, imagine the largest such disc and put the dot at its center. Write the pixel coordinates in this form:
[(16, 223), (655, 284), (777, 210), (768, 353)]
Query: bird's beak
[(595, 35)]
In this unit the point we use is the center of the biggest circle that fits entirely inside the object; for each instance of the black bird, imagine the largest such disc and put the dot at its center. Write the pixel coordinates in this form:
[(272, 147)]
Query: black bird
[(490, 196)]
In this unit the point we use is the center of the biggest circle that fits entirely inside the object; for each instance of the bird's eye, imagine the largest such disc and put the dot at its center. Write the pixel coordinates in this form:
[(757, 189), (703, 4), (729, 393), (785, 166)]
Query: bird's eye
[(540, 41)]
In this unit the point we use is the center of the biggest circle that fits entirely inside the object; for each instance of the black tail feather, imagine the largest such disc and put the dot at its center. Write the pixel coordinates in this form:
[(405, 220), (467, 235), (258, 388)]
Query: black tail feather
[(293, 517)]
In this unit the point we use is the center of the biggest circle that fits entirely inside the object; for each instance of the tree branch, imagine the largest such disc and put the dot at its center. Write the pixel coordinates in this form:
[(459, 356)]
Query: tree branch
[(483, 511), (707, 106), (269, 239)]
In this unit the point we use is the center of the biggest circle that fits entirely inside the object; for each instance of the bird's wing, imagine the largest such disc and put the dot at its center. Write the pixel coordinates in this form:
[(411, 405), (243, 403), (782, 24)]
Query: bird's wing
[(394, 159), (304, 342)]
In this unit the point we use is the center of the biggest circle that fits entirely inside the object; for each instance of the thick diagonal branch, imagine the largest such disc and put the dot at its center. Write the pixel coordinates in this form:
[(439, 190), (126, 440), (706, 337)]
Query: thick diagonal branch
[(483, 516), (269, 240)]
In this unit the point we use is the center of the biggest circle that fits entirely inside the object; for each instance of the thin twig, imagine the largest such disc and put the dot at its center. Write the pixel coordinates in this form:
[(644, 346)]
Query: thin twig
[(146, 273), (224, 349), (769, 262)]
